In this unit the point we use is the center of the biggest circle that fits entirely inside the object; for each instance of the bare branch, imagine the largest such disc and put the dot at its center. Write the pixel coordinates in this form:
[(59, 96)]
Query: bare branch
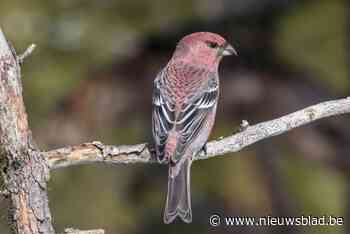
[(96, 152), (26, 53), (77, 231)]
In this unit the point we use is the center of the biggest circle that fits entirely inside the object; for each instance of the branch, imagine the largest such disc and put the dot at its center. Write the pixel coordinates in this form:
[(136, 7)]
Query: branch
[(96, 152), (77, 231), (26, 53)]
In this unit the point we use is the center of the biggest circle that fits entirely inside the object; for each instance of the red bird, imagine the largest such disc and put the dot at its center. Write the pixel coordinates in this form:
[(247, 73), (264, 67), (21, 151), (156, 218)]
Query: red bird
[(185, 96)]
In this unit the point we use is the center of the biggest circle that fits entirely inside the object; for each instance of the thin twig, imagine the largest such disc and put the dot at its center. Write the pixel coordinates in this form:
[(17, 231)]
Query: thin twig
[(26, 53)]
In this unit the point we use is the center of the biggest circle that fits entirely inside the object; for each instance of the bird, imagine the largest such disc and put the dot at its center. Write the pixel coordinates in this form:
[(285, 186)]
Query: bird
[(184, 102)]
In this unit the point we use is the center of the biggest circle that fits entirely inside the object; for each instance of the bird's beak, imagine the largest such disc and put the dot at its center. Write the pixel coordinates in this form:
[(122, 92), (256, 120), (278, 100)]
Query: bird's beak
[(229, 50)]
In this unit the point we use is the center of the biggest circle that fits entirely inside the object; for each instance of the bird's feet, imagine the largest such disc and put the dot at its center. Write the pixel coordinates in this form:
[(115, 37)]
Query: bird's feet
[(205, 149)]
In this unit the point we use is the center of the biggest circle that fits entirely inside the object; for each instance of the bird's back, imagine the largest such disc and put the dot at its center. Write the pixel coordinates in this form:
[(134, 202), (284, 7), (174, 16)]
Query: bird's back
[(180, 85)]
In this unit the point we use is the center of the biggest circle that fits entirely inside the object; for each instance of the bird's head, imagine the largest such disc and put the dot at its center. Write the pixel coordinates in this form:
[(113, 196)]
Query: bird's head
[(203, 48)]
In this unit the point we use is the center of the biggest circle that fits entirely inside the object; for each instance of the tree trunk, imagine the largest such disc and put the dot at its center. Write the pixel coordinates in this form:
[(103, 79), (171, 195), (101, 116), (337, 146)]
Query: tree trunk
[(24, 170)]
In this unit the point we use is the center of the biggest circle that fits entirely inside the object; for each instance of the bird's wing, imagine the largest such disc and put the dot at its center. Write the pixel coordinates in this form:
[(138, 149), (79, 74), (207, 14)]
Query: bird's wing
[(187, 123), (194, 114), (163, 116)]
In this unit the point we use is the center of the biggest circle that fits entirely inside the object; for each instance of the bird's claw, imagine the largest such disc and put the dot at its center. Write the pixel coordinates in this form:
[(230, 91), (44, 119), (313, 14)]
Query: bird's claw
[(205, 149)]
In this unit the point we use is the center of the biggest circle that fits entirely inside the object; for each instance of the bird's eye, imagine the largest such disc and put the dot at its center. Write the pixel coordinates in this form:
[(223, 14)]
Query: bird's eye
[(212, 45)]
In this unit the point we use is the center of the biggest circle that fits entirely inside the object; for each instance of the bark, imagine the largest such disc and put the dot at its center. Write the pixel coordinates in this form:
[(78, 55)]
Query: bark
[(24, 170)]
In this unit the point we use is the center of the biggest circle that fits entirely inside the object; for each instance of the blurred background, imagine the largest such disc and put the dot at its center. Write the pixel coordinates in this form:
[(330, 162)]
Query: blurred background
[(90, 79)]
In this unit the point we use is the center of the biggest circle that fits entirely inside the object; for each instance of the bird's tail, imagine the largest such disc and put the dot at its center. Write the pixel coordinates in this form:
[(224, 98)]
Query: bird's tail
[(178, 202)]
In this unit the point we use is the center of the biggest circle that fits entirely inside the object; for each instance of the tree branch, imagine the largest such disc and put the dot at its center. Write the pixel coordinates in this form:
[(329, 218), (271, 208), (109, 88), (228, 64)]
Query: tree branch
[(26, 53), (77, 231), (96, 152)]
